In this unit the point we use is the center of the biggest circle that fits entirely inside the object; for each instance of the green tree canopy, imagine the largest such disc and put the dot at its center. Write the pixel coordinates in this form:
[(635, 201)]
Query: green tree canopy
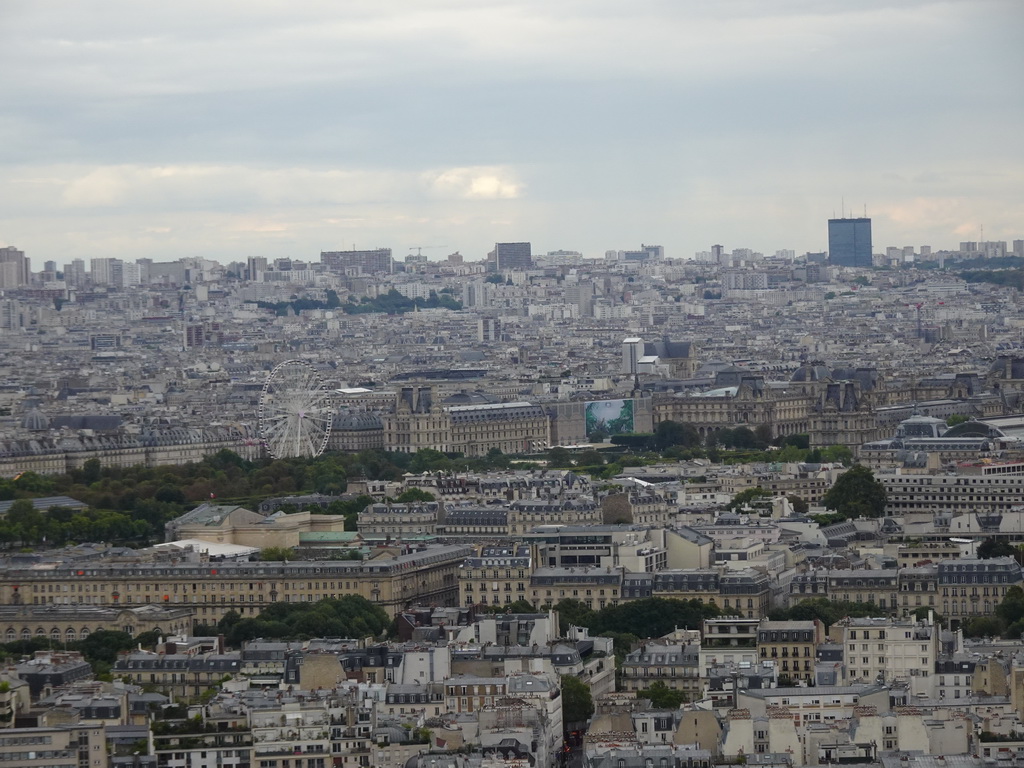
[(559, 457), (589, 458), (856, 493), (577, 702), (671, 433), (828, 612), (800, 506), (573, 613), (653, 616), (992, 547), (412, 495), (345, 616), (749, 496), (663, 697), (277, 553)]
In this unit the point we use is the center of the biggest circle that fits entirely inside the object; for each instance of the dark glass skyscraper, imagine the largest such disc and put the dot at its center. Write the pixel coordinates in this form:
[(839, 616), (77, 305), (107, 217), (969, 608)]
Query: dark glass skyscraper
[(849, 242), (509, 256)]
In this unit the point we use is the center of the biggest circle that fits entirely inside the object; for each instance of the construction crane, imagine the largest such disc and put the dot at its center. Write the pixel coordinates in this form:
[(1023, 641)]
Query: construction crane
[(421, 248)]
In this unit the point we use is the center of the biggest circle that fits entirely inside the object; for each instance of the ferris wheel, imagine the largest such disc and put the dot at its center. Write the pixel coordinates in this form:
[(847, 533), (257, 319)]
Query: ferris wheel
[(295, 413)]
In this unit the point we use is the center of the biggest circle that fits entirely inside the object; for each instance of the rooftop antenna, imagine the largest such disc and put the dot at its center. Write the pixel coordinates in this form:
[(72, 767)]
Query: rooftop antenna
[(865, 210)]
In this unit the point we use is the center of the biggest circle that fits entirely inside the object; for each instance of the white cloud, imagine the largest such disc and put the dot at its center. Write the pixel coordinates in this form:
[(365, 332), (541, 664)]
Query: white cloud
[(479, 183), (585, 123)]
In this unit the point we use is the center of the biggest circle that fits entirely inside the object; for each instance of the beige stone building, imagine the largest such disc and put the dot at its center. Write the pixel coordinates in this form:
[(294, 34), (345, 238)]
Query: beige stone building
[(496, 575), (879, 587), (792, 646), (171, 446), (70, 623), (391, 579), (81, 746), (419, 421), (400, 520), (225, 524)]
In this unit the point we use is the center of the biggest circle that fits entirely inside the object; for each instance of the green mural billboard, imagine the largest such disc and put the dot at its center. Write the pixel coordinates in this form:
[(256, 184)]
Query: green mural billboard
[(613, 417)]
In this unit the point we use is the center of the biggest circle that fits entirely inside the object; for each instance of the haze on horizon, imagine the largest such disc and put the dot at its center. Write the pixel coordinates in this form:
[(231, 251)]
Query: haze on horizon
[(230, 129)]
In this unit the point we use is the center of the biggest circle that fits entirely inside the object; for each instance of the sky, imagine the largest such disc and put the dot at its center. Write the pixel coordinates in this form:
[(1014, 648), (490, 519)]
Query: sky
[(231, 129)]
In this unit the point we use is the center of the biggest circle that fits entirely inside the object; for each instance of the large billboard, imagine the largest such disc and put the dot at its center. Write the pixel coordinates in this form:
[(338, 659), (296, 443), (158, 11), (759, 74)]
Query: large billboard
[(613, 417)]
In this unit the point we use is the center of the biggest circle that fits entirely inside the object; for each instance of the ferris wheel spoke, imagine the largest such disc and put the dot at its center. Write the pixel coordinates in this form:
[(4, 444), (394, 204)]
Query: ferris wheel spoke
[(275, 426), (277, 429), (295, 411)]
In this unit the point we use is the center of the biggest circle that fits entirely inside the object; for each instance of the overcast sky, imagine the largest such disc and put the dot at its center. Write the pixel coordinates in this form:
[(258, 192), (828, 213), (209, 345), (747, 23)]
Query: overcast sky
[(228, 129)]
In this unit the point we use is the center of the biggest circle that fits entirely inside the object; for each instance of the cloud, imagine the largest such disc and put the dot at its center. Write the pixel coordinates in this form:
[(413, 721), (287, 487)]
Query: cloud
[(221, 127), (480, 183)]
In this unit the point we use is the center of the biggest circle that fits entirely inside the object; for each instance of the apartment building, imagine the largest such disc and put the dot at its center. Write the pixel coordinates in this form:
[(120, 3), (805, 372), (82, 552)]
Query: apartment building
[(792, 645), (178, 674), (729, 640), (211, 589), (922, 552), (974, 492), (971, 587), (595, 587), (470, 693), (71, 746), (875, 586), (400, 520), (746, 591), (888, 650), (191, 745), (674, 665), (70, 623), (526, 514), (497, 575)]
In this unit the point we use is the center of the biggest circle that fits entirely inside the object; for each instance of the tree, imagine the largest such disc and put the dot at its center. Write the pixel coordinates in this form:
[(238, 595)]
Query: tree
[(920, 614), (749, 496), (662, 697), (624, 642), (800, 507), (653, 616), (836, 454), (741, 437), (802, 441), (519, 606), (589, 458), (91, 471), (992, 547), (103, 645), (577, 703), (411, 495), (559, 457), (956, 418), (277, 553), (763, 433), (828, 612), (573, 613), (982, 626), (856, 493), (671, 433), (1011, 609)]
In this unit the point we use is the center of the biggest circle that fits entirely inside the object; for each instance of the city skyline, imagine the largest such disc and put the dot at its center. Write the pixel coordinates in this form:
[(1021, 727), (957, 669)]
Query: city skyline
[(285, 132)]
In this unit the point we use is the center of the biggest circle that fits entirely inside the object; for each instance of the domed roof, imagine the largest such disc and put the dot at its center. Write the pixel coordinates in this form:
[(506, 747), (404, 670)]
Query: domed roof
[(816, 371), (1007, 367), (352, 420), (34, 421), (466, 397)]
